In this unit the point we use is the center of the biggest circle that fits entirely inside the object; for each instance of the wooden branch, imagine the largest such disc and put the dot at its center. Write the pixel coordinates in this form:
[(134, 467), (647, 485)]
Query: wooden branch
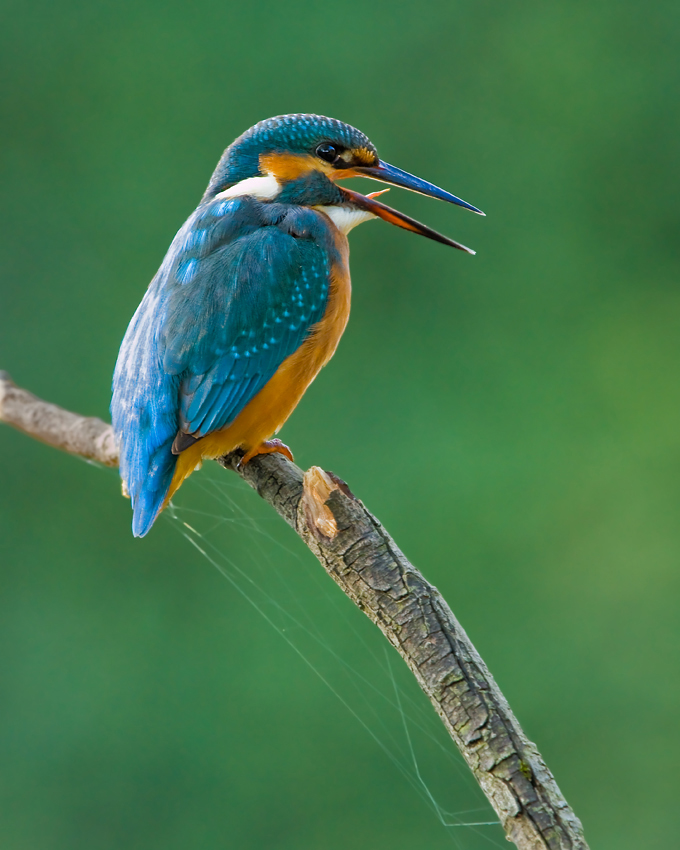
[(361, 557), (86, 436)]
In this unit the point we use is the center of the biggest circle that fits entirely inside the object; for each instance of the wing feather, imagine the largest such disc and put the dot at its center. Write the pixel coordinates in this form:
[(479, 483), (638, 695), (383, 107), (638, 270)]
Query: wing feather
[(259, 295)]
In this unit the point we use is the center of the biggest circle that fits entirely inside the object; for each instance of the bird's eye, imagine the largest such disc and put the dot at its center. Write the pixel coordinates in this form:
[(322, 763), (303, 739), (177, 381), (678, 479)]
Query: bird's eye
[(327, 151)]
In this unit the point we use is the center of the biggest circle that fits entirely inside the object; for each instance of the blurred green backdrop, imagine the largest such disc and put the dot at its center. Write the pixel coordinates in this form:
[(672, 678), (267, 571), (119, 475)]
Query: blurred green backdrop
[(513, 419)]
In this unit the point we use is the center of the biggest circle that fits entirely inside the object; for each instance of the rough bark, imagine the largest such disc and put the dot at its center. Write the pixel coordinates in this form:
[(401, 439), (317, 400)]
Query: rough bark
[(362, 558)]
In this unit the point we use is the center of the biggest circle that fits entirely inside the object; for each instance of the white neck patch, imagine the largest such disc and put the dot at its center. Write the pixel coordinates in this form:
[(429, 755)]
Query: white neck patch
[(263, 188), (346, 218)]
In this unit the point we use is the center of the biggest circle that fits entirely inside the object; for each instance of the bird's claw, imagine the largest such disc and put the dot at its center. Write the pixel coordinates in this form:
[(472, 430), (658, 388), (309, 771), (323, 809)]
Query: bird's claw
[(266, 448)]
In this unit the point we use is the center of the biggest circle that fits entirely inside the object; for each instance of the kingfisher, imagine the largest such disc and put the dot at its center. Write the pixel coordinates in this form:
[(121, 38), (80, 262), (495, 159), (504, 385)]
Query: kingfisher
[(249, 303)]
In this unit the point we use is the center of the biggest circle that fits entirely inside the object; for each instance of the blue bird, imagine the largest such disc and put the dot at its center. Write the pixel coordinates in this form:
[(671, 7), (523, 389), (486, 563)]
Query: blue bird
[(249, 303)]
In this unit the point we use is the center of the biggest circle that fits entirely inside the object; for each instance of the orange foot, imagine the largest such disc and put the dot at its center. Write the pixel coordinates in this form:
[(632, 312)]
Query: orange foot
[(266, 448)]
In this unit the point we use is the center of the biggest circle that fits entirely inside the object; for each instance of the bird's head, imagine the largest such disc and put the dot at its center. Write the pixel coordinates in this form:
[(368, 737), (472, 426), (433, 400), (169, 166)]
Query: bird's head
[(299, 159)]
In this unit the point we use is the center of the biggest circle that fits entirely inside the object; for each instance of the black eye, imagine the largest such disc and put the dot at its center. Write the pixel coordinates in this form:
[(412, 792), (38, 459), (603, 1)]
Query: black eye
[(327, 151)]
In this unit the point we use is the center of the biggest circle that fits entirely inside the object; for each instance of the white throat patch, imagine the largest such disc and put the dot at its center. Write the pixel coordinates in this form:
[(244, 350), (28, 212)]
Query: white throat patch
[(346, 218)]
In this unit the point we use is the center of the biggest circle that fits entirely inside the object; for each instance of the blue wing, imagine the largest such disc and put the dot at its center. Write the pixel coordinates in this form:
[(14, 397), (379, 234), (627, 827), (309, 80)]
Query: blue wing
[(240, 287)]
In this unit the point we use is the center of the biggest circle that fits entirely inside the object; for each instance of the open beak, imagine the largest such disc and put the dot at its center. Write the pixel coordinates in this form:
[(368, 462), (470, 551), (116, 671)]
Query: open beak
[(396, 177)]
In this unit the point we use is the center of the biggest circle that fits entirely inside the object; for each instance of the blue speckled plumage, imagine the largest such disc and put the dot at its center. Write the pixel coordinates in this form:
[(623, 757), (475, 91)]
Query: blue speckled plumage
[(240, 287)]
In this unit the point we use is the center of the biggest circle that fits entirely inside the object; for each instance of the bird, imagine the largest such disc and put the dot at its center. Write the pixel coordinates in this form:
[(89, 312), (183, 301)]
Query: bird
[(249, 303)]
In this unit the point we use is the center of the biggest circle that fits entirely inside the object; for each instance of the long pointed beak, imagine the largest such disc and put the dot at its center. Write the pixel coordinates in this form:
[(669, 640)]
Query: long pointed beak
[(395, 217), (387, 173)]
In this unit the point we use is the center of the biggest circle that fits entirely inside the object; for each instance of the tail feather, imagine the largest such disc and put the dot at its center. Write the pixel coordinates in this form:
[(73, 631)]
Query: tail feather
[(146, 508), (149, 493)]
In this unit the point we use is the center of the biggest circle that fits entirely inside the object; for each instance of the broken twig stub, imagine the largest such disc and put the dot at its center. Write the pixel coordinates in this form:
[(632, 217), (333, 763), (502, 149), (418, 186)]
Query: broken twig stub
[(317, 487)]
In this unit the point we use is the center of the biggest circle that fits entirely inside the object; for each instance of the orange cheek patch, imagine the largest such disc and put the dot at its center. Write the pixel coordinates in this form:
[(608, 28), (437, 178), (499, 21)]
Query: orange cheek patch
[(287, 166), (344, 174)]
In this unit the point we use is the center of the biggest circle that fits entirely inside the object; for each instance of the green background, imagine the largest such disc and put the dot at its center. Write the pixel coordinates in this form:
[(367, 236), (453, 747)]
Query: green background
[(512, 418)]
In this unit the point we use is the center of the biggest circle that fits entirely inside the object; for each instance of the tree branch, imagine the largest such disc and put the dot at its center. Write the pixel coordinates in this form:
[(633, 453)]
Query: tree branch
[(86, 436), (362, 558)]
